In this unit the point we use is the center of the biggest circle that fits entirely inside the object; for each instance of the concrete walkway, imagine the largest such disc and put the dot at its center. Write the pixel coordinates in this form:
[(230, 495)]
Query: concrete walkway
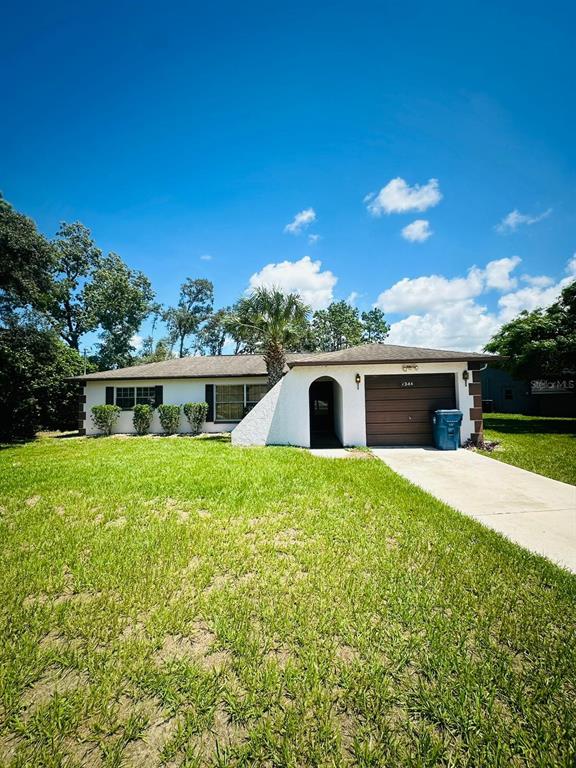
[(532, 510)]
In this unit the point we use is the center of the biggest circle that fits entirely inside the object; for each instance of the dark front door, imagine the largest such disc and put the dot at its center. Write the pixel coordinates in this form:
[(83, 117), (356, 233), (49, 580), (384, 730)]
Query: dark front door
[(321, 407)]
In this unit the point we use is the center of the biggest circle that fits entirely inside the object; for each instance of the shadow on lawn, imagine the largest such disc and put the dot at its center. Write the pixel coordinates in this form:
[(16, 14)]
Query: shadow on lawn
[(20, 441), (531, 426)]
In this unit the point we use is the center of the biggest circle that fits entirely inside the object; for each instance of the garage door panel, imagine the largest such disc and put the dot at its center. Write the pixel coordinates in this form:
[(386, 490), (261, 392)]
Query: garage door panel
[(431, 404), (416, 380), (399, 408), (399, 439), (406, 428), (399, 417), (377, 395)]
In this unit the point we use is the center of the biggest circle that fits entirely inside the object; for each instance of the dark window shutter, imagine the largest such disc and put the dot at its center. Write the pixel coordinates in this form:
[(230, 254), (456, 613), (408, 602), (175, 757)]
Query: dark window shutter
[(210, 401), (159, 396), (109, 395)]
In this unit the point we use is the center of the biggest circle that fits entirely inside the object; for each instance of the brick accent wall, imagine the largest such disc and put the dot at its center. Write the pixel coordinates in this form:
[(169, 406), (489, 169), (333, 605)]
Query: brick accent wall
[(475, 389), (81, 414)]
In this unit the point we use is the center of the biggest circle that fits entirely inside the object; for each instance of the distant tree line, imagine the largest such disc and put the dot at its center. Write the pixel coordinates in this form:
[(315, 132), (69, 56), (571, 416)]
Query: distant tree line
[(195, 327), (53, 292)]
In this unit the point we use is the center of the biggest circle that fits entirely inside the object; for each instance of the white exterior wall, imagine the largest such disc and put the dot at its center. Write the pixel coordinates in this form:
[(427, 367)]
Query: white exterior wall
[(254, 429), (339, 414), (287, 420), (176, 392)]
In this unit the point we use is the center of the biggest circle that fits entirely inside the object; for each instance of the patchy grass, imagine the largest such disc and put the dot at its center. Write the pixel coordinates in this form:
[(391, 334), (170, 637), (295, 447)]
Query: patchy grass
[(546, 446), (180, 602)]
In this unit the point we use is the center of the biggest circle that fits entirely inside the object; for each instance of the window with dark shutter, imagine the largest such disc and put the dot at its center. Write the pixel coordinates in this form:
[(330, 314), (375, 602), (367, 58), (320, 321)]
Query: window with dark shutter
[(145, 395), (209, 394), (159, 395), (109, 395), (125, 398)]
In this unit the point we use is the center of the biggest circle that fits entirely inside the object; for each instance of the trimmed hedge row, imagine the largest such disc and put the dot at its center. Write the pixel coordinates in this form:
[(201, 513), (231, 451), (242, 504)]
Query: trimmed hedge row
[(106, 416)]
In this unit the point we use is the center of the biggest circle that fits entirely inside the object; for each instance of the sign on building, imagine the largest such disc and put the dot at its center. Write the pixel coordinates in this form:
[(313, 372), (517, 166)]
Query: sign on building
[(552, 386)]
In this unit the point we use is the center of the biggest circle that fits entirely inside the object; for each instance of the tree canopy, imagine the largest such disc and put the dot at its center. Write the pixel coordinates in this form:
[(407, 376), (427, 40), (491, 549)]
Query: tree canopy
[(337, 327), (34, 393), (26, 262), (276, 321), (194, 307), (374, 326), (542, 343), (76, 260), (212, 335), (120, 298)]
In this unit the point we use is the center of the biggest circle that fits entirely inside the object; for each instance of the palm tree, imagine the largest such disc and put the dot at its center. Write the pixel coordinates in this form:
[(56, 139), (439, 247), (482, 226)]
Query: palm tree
[(276, 321)]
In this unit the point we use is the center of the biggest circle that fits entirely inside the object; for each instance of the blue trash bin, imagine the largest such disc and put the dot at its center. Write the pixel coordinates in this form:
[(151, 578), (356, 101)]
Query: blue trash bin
[(446, 429)]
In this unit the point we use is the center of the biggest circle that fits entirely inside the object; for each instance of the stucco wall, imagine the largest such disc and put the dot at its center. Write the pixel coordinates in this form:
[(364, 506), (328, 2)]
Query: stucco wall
[(338, 413), (254, 429), (176, 392), (286, 420)]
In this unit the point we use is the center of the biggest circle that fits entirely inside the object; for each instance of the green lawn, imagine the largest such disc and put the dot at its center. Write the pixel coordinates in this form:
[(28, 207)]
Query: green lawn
[(546, 446), (177, 601)]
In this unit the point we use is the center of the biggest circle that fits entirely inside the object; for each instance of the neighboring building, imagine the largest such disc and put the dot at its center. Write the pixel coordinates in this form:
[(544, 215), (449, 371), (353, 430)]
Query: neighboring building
[(502, 393), (372, 394)]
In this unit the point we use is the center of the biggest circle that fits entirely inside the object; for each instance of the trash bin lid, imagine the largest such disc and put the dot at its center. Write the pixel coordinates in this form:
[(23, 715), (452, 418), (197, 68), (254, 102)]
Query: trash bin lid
[(448, 416)]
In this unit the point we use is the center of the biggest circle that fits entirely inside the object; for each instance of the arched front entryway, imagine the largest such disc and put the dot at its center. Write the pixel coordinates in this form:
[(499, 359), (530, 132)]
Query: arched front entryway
[(325, 403)]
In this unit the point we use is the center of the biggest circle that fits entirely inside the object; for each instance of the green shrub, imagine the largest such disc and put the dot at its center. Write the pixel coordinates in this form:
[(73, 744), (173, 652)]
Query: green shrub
[(142, 418), (105, 416), (196, 414), (169, 418)]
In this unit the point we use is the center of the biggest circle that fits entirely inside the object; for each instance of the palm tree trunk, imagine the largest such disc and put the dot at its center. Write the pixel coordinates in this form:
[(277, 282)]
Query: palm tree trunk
[(275, 359)]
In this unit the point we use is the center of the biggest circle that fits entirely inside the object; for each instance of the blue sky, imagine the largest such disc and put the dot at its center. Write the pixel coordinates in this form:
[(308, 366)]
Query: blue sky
[(178, 131)]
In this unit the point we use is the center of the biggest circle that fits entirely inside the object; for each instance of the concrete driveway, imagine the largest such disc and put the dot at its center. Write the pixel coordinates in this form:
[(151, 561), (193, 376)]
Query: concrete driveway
[(534, 511)]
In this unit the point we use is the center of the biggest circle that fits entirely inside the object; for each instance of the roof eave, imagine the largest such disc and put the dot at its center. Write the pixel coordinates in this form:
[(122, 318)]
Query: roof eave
[(407, 361), (169, 376)]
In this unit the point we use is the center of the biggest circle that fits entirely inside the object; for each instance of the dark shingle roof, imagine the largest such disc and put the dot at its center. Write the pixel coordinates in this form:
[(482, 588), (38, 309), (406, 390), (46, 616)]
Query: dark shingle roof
[(200, 367), (388, 353), (217, 366)]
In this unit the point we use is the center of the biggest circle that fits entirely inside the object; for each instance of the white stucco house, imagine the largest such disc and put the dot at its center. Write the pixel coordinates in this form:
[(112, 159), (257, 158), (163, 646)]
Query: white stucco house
[(372, 394)]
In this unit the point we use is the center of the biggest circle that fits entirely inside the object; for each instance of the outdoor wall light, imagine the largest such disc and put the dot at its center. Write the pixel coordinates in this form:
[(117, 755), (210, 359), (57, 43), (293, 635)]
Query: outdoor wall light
[(465, 376), (358, 379)]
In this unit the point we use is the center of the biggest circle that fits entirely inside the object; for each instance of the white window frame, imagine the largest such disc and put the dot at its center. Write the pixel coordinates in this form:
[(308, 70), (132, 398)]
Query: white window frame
[(135, 399)]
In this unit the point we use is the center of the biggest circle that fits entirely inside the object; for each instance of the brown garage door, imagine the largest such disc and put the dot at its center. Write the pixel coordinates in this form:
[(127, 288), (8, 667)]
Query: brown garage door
[(399, 408)]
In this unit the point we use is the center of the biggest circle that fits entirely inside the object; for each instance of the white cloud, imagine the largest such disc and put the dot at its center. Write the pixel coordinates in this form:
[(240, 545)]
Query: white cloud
[(352, 298), (417, 232), (461, 325), (301, 221), (540, 281), (428, 292), (398, 197), (136, 342), (511, 304), (515, 219), (313, 239), (542, 292), (497, 273), (304, 277), (434, 291), (206, 257), (445, 314)]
